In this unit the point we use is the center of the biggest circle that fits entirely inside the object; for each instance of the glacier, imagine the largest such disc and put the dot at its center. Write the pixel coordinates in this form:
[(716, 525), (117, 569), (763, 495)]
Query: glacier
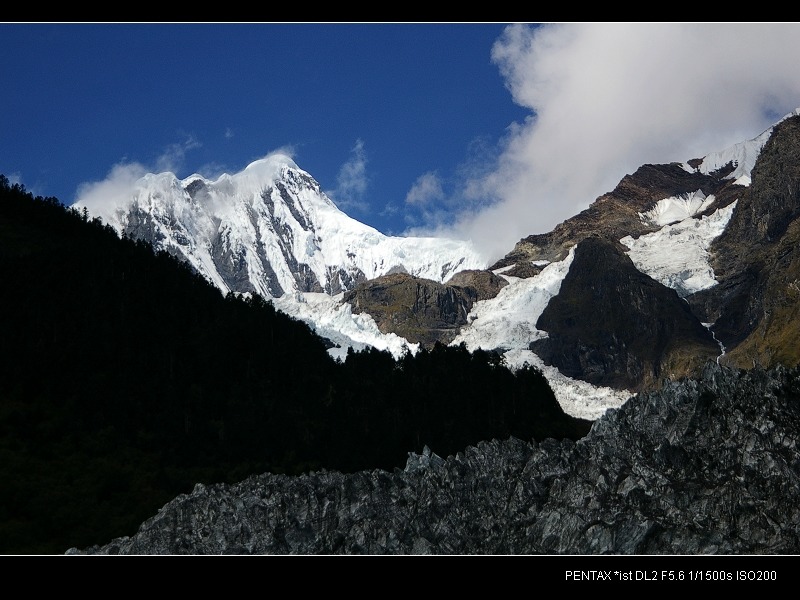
[(677, 254)]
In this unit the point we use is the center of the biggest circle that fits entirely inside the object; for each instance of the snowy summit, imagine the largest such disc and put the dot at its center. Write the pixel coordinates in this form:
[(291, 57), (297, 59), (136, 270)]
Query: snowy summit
[(270, 229)]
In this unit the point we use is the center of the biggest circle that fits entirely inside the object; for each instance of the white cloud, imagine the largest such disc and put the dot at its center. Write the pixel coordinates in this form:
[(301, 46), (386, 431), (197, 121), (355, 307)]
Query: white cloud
[(606, 98), (102, 197), (389, 209), (174, 156), (351, 182), (427, 188), (117, 188), (122, 177)]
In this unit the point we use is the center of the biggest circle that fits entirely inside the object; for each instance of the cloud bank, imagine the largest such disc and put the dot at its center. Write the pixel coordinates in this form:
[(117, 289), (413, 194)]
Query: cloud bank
[(606, 98), (102, 197)]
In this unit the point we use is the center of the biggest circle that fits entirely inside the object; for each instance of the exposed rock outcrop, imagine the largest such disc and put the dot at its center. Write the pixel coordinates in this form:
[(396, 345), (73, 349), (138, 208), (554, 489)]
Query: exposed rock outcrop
[(421, 310), (707, 466), (757, 261), (480, 284), (612, 325), (752, 310), (616, 214)]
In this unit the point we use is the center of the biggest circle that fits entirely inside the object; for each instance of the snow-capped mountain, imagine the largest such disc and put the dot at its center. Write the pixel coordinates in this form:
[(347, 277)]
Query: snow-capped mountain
[(664, 219), (270, 229), (718, 232), (668, 251)]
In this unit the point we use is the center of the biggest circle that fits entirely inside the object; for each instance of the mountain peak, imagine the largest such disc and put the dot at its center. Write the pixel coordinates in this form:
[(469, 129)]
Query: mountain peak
[(265, 170), (273, 161), (270, 229)]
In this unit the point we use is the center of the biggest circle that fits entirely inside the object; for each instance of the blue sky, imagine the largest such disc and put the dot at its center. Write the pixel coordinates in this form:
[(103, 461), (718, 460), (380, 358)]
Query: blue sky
[(483, 130), (366, 109)]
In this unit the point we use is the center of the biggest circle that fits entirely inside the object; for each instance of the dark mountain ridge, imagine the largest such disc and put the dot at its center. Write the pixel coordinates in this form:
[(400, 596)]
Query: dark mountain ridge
[(128, 378)]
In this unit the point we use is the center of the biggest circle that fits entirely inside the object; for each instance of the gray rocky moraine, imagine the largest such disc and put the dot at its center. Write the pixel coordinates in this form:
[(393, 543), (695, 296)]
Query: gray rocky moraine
[(705, 466)]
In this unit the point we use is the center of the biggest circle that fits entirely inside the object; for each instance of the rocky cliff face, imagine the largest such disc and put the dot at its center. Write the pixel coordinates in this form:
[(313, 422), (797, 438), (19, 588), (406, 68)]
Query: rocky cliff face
[(757, 261), (612, 325), (617, 213), (706, 466), (421, 310), (609, 326)]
